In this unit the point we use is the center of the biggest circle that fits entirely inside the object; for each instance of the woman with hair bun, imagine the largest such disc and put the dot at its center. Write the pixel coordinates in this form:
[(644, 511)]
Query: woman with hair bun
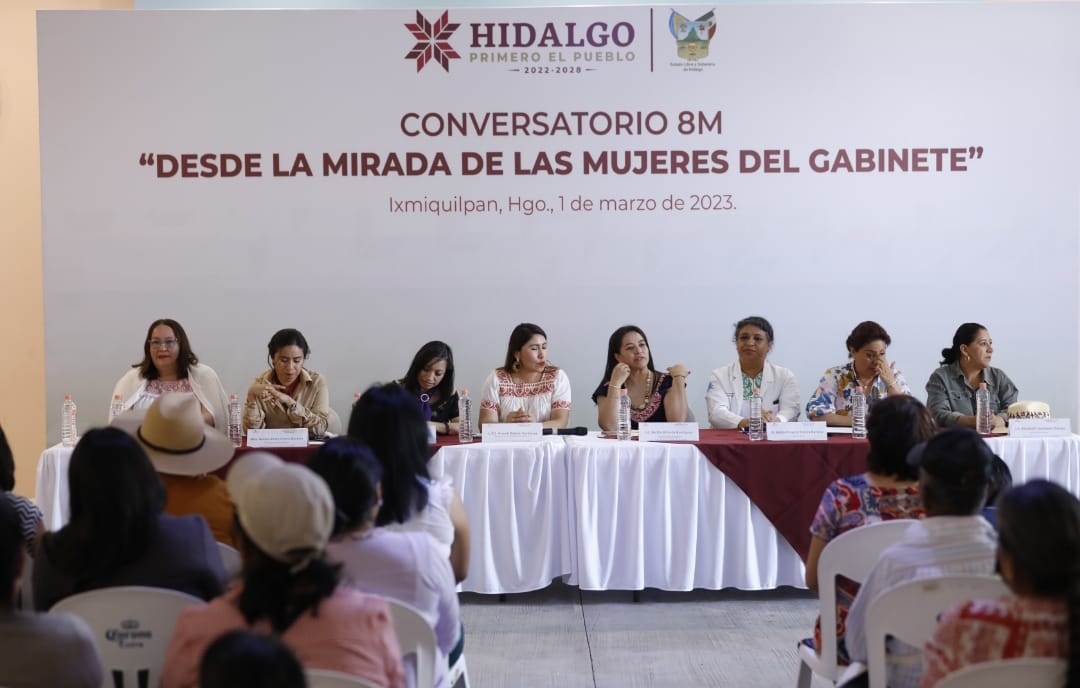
[(868, 369), (288, 395), (950, 391), (1039, 558)]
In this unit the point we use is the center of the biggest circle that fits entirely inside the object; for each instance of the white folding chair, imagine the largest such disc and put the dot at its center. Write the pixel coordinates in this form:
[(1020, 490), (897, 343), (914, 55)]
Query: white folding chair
[(26, 585), (910, 611), (1037, 672), (851, 554), (324, 678), (230, 557), (132, 627), (458, 674), (416, 639)]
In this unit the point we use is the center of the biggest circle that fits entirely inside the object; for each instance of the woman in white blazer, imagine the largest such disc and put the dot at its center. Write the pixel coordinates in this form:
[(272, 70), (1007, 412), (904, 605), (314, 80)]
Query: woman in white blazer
[(730, 387)]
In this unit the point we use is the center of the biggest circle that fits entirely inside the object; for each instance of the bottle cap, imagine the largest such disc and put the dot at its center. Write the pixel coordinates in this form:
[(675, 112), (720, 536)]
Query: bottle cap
[(232, 397), (622, 392), (67, 397), (464, 392), (982, 385), (116, 397), (757, 390)]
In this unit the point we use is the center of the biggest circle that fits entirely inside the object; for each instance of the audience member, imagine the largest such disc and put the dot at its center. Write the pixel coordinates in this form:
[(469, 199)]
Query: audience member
[(954, 472), (244, 659), (38, 650), (388, 419), (887, 490), (1039, 557), (285, 514), (118, 534), (29, 513), (184, 451), (1000, 482)]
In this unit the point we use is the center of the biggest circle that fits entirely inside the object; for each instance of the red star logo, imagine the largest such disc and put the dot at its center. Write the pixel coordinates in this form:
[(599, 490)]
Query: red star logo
[(432, 41)]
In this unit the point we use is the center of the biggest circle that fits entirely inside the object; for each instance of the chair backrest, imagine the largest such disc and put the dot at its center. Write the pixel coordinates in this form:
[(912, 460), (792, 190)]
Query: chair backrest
[(230, 558), (1009, 673), (910, 611), (26, 585), (324, 678), (416, 639), (852, 555), (132, 627)]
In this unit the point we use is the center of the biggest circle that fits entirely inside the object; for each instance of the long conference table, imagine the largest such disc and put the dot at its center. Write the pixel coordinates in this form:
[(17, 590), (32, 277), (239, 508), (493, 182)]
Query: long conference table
[(604, 514)]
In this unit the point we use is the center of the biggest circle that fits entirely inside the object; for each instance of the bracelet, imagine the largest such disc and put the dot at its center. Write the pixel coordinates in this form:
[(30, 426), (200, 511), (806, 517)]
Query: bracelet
[(446, 423), (682, 376)]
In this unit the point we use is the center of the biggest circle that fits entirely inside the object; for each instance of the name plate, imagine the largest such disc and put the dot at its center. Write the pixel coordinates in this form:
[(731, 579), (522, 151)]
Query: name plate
[(668, 432), (802, 430), (1040, 427), (512, 432), (277, 437)]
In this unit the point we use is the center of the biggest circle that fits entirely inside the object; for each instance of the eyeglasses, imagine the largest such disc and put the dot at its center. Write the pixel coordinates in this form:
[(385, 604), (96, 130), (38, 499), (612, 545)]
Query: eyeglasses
[(163, 343)]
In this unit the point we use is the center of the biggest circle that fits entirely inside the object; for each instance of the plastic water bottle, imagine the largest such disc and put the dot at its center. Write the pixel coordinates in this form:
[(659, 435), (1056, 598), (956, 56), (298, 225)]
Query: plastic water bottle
[(116, 407), (982, 410), (756, 426), (858, 413), (622, 423), (464, 406), (69, 429), (236, 427)]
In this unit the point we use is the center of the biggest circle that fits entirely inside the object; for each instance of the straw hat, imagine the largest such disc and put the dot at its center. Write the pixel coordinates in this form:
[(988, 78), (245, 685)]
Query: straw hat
[(1029, 409), (175, 437)]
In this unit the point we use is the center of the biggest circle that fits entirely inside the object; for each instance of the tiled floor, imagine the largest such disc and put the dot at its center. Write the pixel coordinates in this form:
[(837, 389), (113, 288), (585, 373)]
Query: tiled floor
[(564, 637)]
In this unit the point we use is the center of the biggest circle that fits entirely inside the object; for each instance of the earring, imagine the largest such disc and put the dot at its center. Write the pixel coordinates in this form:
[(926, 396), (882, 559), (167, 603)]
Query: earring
[(517, 364)]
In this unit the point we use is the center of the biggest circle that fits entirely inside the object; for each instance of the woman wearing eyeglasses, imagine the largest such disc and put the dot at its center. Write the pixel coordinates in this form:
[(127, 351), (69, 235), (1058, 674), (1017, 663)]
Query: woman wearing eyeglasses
[(169, 365)]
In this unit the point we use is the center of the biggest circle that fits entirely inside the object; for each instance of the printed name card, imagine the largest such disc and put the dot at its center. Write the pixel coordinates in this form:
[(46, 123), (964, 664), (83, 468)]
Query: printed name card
[(277, 437), (512, 432), (1040, 427), (668, 432), (796, 431)]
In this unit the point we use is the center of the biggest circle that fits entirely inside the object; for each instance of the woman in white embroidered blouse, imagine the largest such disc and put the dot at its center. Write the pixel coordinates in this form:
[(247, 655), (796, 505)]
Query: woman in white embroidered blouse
[(526, 389)]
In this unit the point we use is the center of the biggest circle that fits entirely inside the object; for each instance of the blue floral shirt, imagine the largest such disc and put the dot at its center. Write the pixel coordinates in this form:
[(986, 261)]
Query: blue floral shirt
[(833, 393)]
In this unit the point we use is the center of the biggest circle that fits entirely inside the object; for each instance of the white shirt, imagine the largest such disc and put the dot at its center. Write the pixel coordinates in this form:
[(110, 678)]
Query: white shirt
[(502, 394), (779, 394)]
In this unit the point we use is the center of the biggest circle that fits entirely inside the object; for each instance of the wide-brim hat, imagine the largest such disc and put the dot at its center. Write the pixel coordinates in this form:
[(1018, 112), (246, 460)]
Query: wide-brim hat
[(1029, 409), (175, 437)]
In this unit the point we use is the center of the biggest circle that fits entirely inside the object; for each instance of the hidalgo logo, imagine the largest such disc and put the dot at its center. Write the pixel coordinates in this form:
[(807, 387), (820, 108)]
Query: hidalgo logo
[(432, 41), (692, 37)]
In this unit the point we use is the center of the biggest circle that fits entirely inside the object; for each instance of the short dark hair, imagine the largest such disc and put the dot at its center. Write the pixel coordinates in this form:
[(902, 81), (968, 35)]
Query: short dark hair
[(614, 344), (389, 420), (184, 359), (246, 659), (754, 321), (429, 353), (866, 332), (895, 425), (519, 337), (965, 334), (954, 472), (284, 338), (11, 544), (7, 464), (352, 471)]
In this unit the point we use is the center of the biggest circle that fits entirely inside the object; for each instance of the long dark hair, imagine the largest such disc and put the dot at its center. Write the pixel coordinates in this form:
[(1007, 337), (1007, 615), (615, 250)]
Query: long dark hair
[(429, 353), (389, 420), (184, 359), (116, 498), (519, 337), (272, 591), (352, 471), (965, 334), (1039, 529), (614, 344), (896, 424), (7, 464)]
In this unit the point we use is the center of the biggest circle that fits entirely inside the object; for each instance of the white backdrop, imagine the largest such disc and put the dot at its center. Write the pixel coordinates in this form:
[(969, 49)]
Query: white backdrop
[(992, 238)]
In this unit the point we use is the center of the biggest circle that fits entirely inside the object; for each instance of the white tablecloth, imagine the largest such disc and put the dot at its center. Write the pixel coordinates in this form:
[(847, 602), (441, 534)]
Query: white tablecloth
[(661, 516), (52, 486), (1052, 458), (515, 496)]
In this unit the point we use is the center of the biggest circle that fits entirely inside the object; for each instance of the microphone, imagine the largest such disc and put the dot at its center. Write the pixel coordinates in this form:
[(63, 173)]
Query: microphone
[(566, 431)]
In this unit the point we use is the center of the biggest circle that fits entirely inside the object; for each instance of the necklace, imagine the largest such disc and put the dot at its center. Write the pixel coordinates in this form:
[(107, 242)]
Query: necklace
[(648, 393)]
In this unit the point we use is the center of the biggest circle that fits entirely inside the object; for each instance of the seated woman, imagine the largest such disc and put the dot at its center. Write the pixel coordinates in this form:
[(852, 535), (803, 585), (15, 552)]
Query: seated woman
[(288, 395), (1039, 557), (654, 397), (388, 419), (950, 391), (169, 365), (868, 369), (430, 379), (29, 514), (405, 566), (730, 388), (526, 389), (889, 489), (118, 534), (284, 516)]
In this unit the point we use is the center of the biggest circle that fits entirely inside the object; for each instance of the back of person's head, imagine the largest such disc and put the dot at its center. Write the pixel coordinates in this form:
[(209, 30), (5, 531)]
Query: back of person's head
[(245, 659), (284, 517), (115, 499), (896, 424), (954, 472), (1039, 534), (7, 464), (389, 420), (11, 548), (351, 470), (1000, 480)]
